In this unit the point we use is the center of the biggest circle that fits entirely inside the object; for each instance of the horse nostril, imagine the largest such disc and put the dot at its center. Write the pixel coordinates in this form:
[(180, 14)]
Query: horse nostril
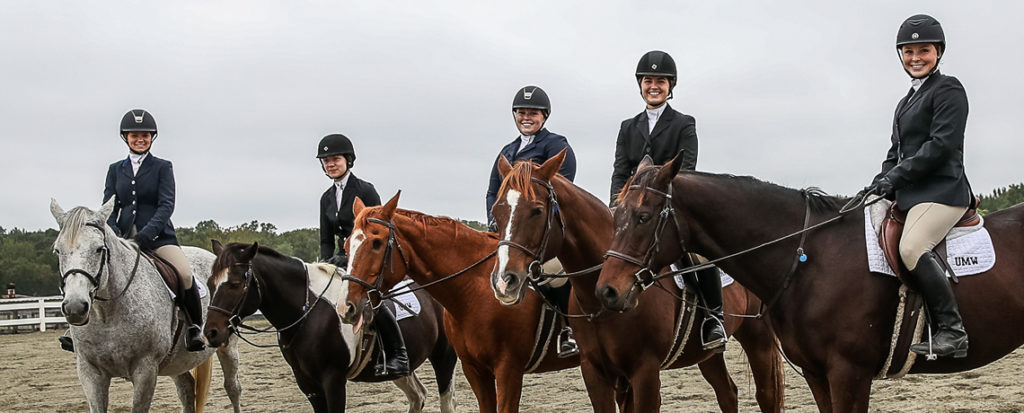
[(509, 278), (350, 311), (608, 294)]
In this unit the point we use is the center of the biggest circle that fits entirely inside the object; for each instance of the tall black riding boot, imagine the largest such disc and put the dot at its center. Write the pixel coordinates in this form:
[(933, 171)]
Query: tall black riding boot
[(713, 328), (193, 307), (951, 338), (559, 296), (394, 362)]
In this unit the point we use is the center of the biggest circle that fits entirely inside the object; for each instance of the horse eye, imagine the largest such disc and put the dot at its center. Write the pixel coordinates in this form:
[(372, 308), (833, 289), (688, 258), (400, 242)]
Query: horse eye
[(644, 217), (56, 251), (377, 244), (535, 211)]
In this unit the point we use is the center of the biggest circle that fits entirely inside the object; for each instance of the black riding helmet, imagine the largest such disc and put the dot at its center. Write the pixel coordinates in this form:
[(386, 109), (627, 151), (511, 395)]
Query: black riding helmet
[(657, 63), (532, 97), (921, 28), (337, 144), (137, 120)]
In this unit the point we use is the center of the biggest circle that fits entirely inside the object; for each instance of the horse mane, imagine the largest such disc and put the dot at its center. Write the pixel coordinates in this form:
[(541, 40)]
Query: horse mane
[(520, 178), (427, 220), (74, 221), (225, 259), (818, 200)]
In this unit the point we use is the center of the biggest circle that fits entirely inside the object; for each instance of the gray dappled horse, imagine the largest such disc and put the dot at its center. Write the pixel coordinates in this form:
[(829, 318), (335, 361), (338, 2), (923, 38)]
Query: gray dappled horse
[(123, 320)]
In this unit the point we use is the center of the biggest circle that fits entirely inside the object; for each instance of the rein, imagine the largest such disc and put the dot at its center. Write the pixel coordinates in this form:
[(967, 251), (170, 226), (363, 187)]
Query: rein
[(857, 202), (387, 260), (534, 269), (104, 261)]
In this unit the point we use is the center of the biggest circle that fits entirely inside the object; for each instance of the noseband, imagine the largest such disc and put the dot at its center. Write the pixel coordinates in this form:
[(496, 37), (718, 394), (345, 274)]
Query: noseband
[(104, 261), (534, 269), (645, 276), (387, 261)]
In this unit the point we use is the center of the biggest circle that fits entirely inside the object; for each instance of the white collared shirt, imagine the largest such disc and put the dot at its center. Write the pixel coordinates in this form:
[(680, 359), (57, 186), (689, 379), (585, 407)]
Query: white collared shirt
[(652, 117), (339, 188), (916, 83), (136, 161), (524, 141)]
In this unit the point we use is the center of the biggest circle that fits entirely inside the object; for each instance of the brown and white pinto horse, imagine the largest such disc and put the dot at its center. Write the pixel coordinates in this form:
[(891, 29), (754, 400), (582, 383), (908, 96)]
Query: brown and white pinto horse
[(494, 342), (545, 215), (835, 319)]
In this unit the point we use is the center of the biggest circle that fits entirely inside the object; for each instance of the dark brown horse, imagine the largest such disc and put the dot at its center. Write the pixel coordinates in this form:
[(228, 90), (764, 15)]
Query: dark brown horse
[(319, 349), (835, 319), (494, 342), (545, 215)]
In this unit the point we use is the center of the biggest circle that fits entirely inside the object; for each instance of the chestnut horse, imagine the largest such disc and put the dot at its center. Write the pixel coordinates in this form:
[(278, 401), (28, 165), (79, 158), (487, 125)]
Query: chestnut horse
[(542, 214), (494, 342), (298, 300), (834, 318)]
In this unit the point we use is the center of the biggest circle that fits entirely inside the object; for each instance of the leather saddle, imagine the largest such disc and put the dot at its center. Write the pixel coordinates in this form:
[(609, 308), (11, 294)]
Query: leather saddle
[(892, 230), (168, 272)]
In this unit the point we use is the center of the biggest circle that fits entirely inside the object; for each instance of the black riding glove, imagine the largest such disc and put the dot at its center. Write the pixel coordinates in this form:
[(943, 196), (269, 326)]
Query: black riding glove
[(492, 225), (340, 260), (882, 187)]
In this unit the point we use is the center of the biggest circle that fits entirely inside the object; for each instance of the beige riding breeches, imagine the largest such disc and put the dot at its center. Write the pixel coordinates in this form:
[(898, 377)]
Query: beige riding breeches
[(927, 224), (174, 255)]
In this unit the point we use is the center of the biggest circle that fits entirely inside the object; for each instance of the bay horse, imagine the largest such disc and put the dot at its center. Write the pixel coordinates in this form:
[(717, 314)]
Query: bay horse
[(621, 353), (494, 342), (299, 300), (833, 317), (123, 320)]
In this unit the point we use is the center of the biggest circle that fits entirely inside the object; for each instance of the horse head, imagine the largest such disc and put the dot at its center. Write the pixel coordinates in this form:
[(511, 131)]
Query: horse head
[(375, 261), (83, 251), (525, 222), (236, 290), (641, 244)]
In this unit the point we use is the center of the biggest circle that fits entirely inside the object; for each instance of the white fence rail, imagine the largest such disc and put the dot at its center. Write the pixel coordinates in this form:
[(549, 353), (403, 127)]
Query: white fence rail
[(30, 312)]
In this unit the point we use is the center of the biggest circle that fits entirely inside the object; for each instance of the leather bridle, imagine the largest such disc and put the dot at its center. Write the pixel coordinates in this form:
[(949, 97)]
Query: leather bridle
[(104, 262), (534, 270), (387, 262), (645, 277)]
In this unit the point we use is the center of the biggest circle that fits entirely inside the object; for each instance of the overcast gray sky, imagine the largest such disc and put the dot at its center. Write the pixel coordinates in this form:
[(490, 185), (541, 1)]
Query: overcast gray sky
[(799, 93)]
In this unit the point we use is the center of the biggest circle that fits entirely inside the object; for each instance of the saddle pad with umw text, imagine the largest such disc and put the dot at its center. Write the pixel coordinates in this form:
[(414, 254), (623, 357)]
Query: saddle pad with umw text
[(969, 250), (726, 279), (408, 300)]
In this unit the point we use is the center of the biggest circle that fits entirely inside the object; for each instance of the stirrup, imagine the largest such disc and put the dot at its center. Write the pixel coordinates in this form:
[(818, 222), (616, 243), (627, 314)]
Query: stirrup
[(194, 343), (567, 347), (717, 345), (66, 343)]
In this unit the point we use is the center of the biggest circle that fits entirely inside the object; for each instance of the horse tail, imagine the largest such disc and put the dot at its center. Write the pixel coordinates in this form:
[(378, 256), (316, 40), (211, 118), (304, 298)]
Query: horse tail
[(202, 375), (778, 375)]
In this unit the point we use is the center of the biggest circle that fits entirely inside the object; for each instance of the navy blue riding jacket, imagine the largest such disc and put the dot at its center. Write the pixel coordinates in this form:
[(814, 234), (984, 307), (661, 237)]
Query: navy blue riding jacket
[(545, 146), (144, 201)]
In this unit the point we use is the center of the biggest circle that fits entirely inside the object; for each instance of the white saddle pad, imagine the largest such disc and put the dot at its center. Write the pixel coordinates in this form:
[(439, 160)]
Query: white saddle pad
[(726, 279), (408, 299), (969, 250), (195, 282)]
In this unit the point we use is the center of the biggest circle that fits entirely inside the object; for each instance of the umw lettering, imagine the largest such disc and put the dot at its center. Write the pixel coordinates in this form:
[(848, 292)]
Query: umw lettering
[(962, 261)]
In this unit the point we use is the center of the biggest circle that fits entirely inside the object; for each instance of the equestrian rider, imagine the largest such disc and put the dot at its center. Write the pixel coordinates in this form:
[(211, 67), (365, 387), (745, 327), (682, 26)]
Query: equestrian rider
[(143, 188), (337, 157), (661, 132), (530, 110), (924, 172)]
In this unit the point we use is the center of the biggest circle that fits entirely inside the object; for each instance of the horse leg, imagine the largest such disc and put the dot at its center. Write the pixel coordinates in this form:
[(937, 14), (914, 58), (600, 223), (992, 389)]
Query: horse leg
[(414, 391), (331, 391), (316, 391), (717, 375), (601, 388), (96, 386), (510, 388), (820, 391), (143, 380), (444, 370), (481, 381), (765, 364), (186, 385), (228, 357), (850, 387), (646, 387)]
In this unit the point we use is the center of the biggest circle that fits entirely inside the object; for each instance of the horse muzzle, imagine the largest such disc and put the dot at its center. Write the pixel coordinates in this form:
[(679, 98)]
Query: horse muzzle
[(356, 314), (612, 299), (509, 287), (76, 312)]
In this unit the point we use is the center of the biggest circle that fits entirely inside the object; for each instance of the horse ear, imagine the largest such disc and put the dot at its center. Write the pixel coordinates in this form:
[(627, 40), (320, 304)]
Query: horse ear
[(551, 166), (217, 247), (504, 167), (106, 209), (57, 211), (250, 252), (357, 207), (647, 161), (389, 208), (669, 170)]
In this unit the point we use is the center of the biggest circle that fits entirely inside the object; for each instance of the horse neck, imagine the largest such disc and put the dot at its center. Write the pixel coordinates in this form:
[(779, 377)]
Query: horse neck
[(725, 216), (439, 252), (586, 236), (283, 289)]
